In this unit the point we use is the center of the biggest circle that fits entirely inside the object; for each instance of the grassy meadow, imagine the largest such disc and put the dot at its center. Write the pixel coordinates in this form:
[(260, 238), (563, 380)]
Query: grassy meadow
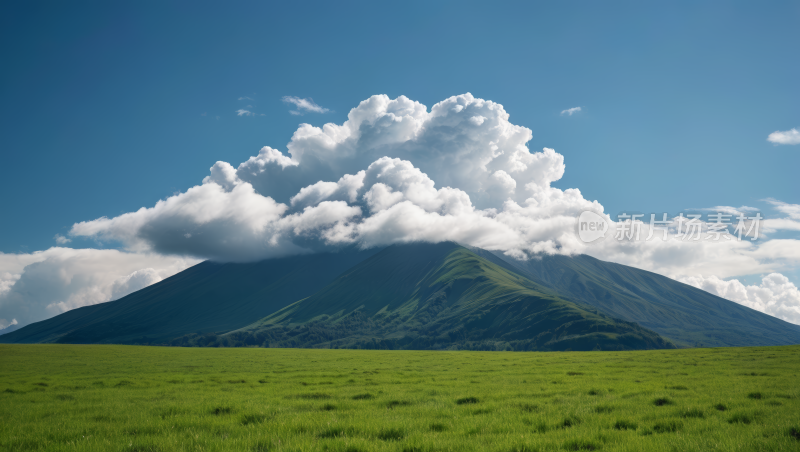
[(126, 398)]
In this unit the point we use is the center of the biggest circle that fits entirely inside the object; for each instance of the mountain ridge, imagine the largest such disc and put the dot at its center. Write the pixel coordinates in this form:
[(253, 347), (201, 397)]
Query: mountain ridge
[(685, 314), (443, 296)]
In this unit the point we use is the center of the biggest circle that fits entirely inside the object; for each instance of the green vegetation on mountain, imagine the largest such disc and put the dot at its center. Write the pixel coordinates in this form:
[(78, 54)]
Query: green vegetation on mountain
[(684, 314), (208, 297), (441, 296), (99, 398)]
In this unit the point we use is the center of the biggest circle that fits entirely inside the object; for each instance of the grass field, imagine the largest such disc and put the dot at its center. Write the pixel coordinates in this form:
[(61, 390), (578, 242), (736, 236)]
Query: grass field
[(124, 398)]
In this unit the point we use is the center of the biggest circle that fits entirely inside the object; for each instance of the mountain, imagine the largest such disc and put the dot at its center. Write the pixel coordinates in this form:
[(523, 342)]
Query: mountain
[(208, 297), (417, 296), (684, 314), (441, 296)]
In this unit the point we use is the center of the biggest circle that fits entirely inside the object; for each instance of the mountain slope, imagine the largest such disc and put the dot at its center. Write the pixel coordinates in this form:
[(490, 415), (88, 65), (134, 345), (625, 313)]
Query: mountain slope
[(427, 296), (209, 297), (684, 314), (437, 295)]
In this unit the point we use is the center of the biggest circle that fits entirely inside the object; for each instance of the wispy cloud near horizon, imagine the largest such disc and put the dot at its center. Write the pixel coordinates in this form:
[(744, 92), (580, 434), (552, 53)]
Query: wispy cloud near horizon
[(570, 111)]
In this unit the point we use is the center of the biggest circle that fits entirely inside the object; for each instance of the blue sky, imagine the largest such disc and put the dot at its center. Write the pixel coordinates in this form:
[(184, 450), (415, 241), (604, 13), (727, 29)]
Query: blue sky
[(108, 108), (102, 103)]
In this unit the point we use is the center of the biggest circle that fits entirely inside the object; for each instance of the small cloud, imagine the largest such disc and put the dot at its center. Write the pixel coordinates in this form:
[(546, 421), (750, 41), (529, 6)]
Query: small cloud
[(570, 111), (217, 117), (245, 98), (61, 240), (295, 112), (243, 112), (204, 114), (787, 137), (304, 105)]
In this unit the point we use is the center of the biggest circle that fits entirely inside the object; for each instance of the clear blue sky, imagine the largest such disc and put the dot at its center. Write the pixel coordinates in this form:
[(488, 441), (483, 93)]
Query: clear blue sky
[(102, 104)]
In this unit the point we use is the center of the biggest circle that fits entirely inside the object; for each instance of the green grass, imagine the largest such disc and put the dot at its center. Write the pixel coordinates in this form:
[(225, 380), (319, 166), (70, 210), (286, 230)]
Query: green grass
[(125, 398)]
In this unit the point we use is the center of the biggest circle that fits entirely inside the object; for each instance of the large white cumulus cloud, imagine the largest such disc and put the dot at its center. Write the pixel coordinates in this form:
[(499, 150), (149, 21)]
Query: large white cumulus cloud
[(393, 172), (462, 142), (397, 172)]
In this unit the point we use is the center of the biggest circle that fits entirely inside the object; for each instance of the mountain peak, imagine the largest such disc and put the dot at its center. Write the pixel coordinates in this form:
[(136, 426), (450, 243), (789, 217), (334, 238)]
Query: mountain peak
[(443, 296)]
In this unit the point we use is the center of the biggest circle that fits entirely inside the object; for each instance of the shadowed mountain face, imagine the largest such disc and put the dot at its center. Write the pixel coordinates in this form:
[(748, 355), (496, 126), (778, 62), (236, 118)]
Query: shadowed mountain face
[(208, 297), (684, 314), (442, 296)]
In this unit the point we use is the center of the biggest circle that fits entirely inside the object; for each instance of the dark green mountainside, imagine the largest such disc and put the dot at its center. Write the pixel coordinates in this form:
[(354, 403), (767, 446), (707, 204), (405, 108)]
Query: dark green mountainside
[(209, 297), (441, 296), (684, 314)]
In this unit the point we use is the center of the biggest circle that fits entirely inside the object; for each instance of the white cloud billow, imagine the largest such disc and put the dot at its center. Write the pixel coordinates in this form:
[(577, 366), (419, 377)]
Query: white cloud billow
[(243, 112), (61, 240), (788, 137), (224, 218), (776, 295), (570, 111), (304, 105)]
